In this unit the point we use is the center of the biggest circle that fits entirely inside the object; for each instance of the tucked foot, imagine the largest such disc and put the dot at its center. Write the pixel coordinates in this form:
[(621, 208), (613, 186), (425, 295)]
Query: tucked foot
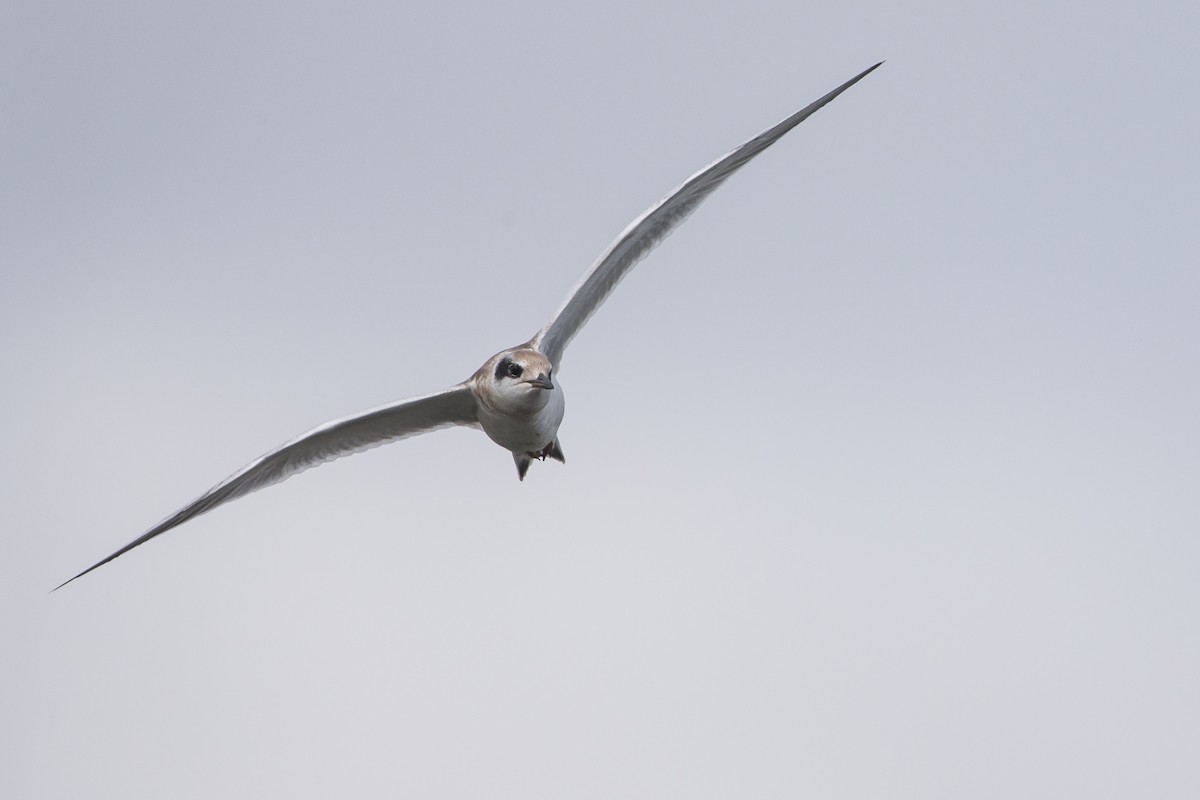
[(554, 450), (523, 460)]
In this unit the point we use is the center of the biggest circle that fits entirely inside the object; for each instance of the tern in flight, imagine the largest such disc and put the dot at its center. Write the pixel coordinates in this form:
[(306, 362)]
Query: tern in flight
[(515, 397)]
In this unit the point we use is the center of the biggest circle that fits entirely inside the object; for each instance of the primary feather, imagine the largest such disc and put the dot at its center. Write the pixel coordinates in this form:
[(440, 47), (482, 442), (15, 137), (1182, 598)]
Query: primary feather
[(341, 437), (647, 231)]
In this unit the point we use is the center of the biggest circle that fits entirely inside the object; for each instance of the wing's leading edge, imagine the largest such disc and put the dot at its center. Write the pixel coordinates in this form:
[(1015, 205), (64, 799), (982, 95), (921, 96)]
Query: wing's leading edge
[(341, 437), (645, 232)]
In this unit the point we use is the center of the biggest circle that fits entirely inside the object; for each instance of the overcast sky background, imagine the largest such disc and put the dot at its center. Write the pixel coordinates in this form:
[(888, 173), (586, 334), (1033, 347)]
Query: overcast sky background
[(883, 472)]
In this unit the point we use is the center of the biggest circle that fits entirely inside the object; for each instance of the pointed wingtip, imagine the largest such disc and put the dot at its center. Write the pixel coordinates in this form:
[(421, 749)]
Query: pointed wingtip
[(85, 572), (145, 537), (861, 75), (68, 580), (868, 71)]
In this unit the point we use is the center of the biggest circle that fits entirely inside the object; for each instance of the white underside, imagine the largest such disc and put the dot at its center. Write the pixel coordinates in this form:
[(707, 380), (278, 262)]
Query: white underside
[(524, 433)]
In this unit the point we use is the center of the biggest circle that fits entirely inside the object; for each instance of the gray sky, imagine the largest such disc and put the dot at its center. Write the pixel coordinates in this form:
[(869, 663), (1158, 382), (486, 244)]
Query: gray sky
[(947, 547)]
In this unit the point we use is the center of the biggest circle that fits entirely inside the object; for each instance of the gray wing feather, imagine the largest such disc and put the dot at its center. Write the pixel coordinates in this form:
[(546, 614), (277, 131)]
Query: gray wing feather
[(645, 232), (341, 437)]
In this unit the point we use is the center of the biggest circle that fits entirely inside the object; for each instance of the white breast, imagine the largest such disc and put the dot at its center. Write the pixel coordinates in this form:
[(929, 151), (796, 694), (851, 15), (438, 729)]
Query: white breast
[(524, 432)]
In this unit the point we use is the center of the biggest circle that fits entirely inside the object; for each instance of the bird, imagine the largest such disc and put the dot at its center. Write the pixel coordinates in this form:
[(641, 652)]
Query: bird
[(515, 397)]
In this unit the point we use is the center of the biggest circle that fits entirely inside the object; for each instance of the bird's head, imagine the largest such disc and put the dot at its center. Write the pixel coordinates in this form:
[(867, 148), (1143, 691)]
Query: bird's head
[(518, 379)]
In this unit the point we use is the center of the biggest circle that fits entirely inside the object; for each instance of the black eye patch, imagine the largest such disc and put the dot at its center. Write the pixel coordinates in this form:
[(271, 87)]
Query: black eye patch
[(508, 368)]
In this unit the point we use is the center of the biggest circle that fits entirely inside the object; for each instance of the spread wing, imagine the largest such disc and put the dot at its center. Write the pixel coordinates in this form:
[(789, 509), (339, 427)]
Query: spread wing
[(341, 437), (645, 232)]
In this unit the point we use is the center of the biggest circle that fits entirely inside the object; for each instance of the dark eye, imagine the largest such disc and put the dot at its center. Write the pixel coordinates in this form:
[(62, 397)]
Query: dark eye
[(515, 370)]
